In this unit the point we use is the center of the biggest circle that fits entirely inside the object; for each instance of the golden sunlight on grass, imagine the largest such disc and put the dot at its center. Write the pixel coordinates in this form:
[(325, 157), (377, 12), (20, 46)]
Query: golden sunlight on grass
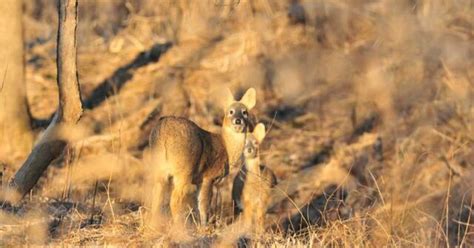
[(368, 104)]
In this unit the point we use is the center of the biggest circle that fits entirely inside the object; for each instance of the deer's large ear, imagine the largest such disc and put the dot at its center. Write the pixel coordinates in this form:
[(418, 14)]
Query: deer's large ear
[(227, 98), (249, 99), (259, 132)]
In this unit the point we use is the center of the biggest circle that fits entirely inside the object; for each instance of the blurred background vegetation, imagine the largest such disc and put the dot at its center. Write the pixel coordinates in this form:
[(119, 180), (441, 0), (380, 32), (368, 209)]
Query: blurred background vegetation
[(369, 104)]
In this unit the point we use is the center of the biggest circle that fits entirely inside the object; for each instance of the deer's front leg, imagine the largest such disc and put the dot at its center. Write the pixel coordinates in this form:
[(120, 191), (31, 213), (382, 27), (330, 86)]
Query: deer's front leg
[(205, 195)]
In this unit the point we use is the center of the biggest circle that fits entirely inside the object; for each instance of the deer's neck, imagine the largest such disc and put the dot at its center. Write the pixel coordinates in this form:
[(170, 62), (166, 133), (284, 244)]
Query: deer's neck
[(234, 144), (253, 165)]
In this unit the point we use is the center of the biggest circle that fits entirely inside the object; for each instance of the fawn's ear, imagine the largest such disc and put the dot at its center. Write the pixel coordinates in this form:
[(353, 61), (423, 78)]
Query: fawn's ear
[(227, 98), (259, 132), (249, 98)]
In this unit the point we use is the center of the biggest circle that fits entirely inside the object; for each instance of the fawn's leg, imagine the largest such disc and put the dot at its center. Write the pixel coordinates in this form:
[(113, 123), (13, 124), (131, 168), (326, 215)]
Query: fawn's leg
[(248, 215), (260, 219), (205, 196)]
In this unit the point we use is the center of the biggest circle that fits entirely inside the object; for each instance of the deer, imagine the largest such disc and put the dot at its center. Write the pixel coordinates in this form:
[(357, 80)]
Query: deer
[(253, 184), (188, 160)]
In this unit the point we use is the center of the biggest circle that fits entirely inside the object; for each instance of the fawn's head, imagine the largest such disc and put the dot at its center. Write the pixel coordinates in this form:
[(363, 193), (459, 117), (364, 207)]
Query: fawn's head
[(253, 141), (237, 117)]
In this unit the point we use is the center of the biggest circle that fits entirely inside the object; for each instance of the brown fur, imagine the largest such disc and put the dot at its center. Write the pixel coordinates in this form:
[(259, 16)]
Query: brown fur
[(191, 159), (253, 185)]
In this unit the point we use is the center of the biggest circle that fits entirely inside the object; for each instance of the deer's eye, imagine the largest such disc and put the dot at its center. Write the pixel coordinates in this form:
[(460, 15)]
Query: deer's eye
[(244, 112), (231, 112)]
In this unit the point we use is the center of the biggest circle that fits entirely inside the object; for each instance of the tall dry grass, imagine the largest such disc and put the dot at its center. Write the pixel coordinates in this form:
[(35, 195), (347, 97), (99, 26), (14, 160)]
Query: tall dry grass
[(375, 97)]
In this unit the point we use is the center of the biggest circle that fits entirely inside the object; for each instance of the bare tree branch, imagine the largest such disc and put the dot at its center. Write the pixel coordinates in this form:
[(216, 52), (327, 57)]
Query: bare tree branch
[(16, 136), (70, 109), (53, 142)]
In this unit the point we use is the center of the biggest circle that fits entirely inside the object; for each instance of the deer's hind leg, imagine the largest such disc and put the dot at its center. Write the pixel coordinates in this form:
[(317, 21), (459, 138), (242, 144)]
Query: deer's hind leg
[(160, 196), (205, 196), (183, 199), (157, 201), (158, 204)]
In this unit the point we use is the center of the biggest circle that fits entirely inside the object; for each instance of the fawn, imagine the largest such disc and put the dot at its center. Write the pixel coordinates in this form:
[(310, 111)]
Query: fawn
[(191, 159), (252, 186)]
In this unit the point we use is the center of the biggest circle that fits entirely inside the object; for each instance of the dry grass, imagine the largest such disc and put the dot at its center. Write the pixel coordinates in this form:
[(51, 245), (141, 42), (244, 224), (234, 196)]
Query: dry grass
[(375, 97)]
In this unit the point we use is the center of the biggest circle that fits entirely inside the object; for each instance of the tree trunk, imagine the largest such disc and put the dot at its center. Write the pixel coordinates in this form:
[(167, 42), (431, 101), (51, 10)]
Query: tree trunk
[(16, 137), (54, 141)]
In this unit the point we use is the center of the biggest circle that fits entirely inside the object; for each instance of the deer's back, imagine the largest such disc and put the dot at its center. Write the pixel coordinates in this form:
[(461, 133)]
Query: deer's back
[(185, 147), (268, 176), (266, 179)]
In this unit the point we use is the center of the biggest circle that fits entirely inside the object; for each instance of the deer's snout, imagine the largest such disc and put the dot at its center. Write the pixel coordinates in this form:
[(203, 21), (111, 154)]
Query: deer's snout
[(238, 121)]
